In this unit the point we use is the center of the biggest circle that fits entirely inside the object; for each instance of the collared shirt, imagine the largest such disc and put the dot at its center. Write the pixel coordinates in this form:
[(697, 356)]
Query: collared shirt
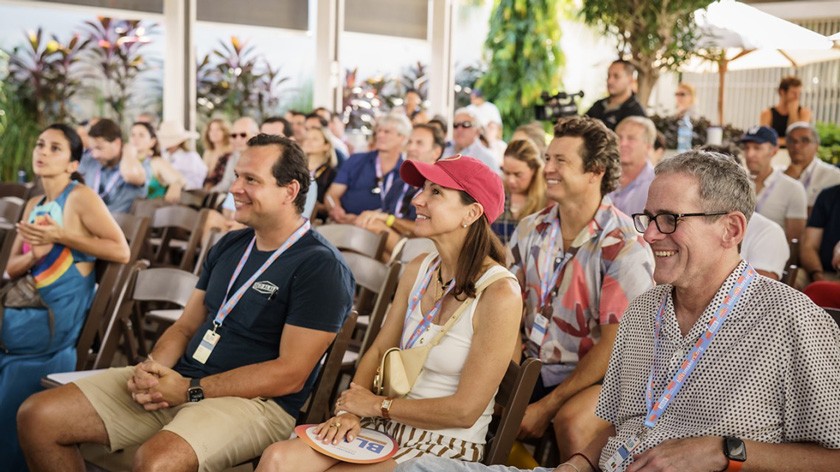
[(772, 373), (608, 264), (765, 245), (826, 216), (781, 197), (632, 198), (190, 165), (478, 151), (359, 175), (817, 176), (119, 198)]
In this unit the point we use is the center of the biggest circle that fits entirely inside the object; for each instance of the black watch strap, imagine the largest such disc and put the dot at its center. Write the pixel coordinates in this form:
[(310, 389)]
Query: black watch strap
[(195, 393)]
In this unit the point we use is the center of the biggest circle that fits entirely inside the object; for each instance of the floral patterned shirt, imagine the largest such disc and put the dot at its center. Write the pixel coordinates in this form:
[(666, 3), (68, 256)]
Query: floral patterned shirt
[(607, 265)]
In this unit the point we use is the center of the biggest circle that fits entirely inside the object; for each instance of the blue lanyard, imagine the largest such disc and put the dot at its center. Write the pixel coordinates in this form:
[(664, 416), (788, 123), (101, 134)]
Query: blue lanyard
[(384, 184), (692, 358), (398, 208), (112, 182), (229, 303), (415, 298)]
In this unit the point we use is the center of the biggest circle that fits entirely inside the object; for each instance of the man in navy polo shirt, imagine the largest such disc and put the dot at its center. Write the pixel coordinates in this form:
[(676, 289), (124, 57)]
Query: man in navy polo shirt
[(364, 179), (229, 377), (112, 169)]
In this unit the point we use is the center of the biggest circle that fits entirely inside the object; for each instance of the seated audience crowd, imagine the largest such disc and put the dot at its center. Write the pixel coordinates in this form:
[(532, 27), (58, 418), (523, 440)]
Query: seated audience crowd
[(674, 302)]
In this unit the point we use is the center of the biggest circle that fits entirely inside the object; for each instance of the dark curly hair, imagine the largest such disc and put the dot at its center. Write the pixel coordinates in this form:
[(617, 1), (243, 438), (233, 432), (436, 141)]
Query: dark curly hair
[(599, 151)]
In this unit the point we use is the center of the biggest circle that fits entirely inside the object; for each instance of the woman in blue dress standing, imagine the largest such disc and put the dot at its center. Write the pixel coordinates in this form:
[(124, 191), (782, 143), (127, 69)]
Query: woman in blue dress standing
[(60, 236)]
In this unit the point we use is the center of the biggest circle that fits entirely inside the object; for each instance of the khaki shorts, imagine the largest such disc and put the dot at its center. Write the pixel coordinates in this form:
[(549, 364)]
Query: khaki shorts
[(223, 432)]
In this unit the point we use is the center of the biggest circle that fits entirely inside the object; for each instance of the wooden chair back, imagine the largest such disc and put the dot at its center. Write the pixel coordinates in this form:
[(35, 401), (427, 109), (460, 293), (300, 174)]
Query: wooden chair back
[(513, 396), (349, 238), (413, 247), (175, 219), (320, 401), (207, 241), (8, 231), (12, 189), (380, 282), (11, 209)]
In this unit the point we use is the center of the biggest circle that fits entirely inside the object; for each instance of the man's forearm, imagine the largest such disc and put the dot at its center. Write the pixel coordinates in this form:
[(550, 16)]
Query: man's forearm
[(790, 456)]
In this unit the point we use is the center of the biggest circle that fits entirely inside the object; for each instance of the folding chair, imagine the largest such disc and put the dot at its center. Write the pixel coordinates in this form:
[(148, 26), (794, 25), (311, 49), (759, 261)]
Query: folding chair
[(513, 396), (207, 241), (8, 231), (170, 221), (111, 277), (10, 189), (351, 238), (11, 209), (375, 281), (410, 248)]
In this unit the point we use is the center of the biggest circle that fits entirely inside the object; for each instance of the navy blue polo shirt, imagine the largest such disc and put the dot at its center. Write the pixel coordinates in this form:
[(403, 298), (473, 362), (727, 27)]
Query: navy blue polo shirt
[(826, 215), (358, 173)]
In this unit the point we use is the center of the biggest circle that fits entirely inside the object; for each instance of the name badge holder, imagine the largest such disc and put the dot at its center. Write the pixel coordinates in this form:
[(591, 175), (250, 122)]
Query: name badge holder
[(211, 337), (692, 358)]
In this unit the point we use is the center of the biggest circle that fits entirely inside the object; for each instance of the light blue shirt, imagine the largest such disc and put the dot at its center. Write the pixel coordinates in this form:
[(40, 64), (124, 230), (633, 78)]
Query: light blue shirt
[(632, 198)]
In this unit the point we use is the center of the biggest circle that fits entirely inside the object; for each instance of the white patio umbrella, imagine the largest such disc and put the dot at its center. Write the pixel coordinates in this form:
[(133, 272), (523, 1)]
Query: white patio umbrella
[(736, 36)]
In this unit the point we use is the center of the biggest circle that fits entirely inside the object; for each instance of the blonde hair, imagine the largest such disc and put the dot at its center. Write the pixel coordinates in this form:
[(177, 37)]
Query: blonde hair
[(526, 151), (205, 136), (326, 134)]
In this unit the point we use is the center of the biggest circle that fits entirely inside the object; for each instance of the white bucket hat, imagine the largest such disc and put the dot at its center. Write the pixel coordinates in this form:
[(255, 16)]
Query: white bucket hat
[(172, 134)]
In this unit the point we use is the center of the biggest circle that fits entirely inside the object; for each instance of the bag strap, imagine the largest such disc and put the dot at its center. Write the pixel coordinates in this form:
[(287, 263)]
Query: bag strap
[(502, 274)]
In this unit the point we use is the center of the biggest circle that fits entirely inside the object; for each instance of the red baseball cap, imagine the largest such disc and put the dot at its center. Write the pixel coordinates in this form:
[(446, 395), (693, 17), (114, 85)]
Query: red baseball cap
[(460, 173)]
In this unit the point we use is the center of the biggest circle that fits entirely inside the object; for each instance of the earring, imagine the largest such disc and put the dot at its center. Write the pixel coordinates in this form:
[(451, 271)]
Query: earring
[(464, 225)]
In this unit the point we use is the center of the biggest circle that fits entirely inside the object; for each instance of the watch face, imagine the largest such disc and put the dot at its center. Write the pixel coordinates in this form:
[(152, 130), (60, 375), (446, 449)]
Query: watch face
[(734, 449), (196, 394)]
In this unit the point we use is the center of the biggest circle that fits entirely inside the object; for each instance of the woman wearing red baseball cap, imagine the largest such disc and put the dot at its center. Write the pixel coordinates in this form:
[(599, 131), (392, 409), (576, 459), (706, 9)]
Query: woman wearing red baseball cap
[(463, 290)]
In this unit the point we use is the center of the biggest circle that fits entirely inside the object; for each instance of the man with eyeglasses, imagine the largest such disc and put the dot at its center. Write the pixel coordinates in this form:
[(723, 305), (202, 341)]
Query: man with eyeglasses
[(466, 129), (579, 262), (778, 197), (803, 142), (716, 368), (242, 130)]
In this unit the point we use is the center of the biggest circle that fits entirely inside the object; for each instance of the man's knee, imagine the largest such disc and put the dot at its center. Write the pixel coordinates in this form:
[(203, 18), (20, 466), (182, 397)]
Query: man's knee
[(61, 415), (165, 451), (278, 457)]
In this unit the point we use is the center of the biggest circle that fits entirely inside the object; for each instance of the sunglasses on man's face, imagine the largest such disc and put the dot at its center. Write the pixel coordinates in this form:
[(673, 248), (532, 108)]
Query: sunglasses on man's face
[(462, 124), (238, 135)]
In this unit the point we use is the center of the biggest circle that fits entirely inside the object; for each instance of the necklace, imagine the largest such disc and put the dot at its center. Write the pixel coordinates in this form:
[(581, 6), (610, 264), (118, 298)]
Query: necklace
[(440, 289)]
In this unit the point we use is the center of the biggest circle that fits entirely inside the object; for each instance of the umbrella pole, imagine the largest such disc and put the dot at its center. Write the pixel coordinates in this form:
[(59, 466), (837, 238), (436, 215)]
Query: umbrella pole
[(723, 63)]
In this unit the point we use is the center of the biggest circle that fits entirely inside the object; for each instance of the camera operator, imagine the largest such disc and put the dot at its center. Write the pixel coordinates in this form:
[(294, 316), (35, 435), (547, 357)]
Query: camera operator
[(622, 101)]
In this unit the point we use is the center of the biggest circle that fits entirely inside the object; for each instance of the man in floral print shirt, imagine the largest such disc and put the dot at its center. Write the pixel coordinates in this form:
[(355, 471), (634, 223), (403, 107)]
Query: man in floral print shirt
[(579, 262)]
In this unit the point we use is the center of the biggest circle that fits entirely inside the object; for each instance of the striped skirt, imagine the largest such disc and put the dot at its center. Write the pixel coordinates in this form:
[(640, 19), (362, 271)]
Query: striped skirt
[(416, 442)]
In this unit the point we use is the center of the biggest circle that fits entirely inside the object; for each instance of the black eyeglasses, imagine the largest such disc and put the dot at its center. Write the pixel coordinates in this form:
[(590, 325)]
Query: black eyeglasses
[(238, 135), (462, 124), (666, 223)]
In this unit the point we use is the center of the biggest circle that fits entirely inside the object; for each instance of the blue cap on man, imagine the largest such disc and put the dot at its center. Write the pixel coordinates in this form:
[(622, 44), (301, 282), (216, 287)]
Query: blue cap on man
[(760, 135)]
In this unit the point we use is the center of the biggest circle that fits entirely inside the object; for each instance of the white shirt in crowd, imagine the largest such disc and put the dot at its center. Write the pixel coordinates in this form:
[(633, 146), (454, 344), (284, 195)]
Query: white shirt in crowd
[(190, 165), (819, 175), (765, 245), (782, 197)]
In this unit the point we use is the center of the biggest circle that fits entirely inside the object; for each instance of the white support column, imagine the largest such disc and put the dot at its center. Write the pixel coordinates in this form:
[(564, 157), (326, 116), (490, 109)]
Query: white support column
[(179, 18), (327, 84), (441, 73)]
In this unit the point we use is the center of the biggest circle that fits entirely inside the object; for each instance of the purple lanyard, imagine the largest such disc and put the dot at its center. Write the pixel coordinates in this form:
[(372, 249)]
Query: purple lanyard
[(398, 209), (414, 300), (692, 358), (229, 303), (112, 182), (765, 192), (384, 184), (550, 274)]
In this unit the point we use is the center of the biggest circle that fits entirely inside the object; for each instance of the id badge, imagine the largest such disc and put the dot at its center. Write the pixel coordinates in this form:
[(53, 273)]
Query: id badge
[(624, 451), (205, 348), (539, 329)]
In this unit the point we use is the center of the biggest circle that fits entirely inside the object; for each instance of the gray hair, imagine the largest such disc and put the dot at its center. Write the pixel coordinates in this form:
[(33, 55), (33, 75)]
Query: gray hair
[(804, 125), (724, 185), (469, 111), (398, 121), (646, 124)]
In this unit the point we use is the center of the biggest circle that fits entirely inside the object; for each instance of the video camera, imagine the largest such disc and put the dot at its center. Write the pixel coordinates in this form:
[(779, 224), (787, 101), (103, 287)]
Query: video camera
[(557, 106)]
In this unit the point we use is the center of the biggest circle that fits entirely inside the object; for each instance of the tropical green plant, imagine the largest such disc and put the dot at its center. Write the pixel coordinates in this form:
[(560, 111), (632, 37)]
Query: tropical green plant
[(19, 128), (43, 74), (524, 58), (116, 54), (829, 150), (653, 36), (236, 81)]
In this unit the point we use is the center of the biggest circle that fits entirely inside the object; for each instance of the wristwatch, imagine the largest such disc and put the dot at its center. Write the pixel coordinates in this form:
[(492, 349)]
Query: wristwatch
[(195, 393), (735, 451), (385, 408)]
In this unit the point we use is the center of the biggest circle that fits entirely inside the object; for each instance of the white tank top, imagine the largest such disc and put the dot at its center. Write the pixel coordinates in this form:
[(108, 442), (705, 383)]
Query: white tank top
[(442, 370)]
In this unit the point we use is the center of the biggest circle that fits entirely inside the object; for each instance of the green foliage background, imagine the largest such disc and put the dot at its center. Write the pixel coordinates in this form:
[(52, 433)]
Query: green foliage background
[(524, 57)]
